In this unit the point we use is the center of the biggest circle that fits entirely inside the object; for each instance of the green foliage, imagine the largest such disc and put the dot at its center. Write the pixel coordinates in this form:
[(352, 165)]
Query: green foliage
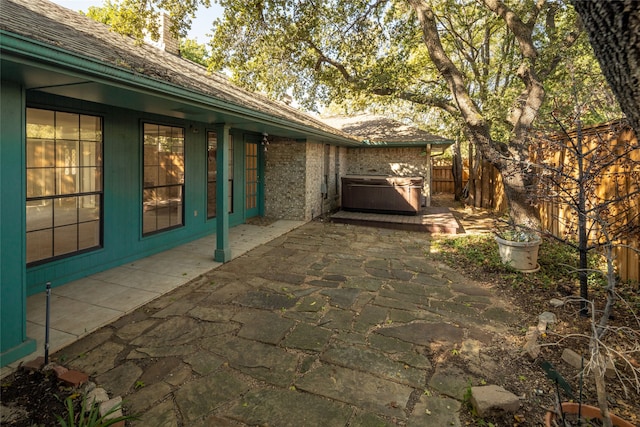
[(558, 262), (468, 394), (136, 17), (518, 236), (478, 249), (89, 415), (373, 55), (194, 52), (366, 54)]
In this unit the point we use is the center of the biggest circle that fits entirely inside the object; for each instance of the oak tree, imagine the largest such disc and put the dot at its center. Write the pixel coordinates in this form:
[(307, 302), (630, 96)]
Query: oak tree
[(614, 31), (486, 63)]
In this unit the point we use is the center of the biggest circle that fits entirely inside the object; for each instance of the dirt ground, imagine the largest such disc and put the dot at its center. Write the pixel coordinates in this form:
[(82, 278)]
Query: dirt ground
[(531, 379)]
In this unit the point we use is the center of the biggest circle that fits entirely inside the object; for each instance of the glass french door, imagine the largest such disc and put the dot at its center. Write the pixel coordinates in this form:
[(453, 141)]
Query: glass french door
[(253, 181)]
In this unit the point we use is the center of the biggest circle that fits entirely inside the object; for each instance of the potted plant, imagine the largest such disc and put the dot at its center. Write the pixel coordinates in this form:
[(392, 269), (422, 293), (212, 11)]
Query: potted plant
[(585, 412), (518, 248)]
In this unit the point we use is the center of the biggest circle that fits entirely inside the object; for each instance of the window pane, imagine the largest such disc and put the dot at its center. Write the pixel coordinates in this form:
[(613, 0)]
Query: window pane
[(91, 153), (67, 126), (39, 245), (90, 128), (65, 211), (65, 239), (40, 123), (40, 153), (90, 179), (149, 221), (88, 208), (66, 183), (164, 157), (151, 155), (175, 205), (165, 132), (148, 211), (67, 155), (88, 235), (40, 182), (162, 208), (178, 169), (231, 163), (178, 133), (174, 174), (149, 199), (150, 176), (211, 199), (39, 214)]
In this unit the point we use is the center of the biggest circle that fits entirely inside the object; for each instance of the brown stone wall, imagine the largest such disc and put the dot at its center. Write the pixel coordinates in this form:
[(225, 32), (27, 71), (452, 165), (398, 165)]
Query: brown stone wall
[(285, 179), (314, 179), (401, 161), (295, 174), (405, 161), (342, 171), (294, 177)]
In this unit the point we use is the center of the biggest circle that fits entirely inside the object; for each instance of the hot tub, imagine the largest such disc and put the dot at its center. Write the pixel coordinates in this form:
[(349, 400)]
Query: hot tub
[(381, 193)]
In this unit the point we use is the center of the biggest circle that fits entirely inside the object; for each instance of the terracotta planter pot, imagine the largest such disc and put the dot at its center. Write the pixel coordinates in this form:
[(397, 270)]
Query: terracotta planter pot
[(522, 256), (587, 411)]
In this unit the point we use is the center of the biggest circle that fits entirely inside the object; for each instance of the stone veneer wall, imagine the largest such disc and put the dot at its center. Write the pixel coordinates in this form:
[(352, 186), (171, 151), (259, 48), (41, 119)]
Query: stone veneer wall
[(294, 173), (341, 170), (398, 161), (285, 180), (313, 179), (332, 200), (402, 161)]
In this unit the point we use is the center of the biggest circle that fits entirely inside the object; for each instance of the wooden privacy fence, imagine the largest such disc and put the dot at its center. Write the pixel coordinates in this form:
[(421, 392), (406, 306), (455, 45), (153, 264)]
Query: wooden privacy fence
[(484, 183), (621, 178), (485, 190), (442, 179)]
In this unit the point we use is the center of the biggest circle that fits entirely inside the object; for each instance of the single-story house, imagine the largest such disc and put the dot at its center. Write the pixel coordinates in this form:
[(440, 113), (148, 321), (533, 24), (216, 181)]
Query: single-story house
[(112, 150), (390, 147)]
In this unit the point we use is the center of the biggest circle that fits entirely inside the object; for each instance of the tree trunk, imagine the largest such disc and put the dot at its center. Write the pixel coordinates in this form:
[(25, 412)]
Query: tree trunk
[(471, 183), (509, 160), (518, 188), (614, 32), (457, 171)]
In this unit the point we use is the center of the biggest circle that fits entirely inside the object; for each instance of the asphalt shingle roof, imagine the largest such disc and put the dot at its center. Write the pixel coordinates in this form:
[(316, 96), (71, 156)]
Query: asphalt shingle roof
[(379, 130), (70, 31)]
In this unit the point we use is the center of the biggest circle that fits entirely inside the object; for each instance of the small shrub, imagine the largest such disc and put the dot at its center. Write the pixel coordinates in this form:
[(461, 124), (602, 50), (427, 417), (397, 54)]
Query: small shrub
[(90, 416), (558, 262)]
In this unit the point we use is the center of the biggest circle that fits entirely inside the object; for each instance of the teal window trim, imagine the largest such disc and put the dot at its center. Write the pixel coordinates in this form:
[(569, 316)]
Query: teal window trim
[(163, 177), (71, 186)]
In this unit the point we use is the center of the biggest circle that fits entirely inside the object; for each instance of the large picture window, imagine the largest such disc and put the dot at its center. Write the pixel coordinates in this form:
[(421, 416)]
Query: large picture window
[(163, 184), (63, 183)]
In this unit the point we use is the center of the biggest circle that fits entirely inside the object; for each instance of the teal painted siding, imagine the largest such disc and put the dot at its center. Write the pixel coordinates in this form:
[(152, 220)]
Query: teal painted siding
[(122, 227), (14, 343), (123, 241)]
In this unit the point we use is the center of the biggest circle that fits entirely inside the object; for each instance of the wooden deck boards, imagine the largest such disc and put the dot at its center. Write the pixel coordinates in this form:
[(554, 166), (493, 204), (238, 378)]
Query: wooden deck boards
[(429, 220)]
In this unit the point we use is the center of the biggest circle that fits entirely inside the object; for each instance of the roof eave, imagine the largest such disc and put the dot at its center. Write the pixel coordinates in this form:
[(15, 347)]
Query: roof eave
[(441, 142), (82, 66)]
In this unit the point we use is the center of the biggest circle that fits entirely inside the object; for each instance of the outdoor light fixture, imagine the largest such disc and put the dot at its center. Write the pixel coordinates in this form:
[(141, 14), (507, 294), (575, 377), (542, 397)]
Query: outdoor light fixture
[(265, 140)]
